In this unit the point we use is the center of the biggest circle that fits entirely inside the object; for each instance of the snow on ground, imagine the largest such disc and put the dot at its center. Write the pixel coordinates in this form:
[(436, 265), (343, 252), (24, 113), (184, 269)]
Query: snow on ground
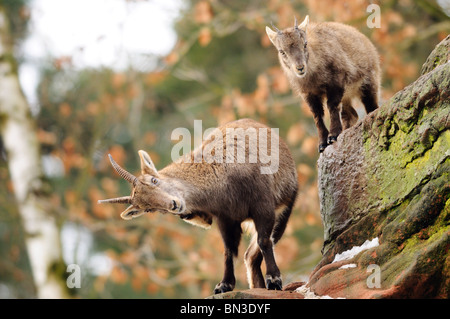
[(346, 255), (348, 266), (308, 294), (349, 254)]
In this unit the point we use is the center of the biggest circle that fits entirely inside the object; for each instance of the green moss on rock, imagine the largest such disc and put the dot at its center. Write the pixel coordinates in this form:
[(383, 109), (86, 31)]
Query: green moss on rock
[(389, 177)]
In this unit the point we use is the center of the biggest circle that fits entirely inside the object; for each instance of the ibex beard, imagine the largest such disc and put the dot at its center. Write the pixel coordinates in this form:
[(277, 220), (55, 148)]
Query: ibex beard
[(225, 179)]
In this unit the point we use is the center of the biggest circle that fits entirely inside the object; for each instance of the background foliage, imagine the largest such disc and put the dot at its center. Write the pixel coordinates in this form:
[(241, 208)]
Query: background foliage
[(222, 68)]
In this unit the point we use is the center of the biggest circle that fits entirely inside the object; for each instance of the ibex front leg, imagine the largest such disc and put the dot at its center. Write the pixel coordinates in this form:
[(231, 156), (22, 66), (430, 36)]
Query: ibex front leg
[(315, 103), (231, 234), (334, 98)]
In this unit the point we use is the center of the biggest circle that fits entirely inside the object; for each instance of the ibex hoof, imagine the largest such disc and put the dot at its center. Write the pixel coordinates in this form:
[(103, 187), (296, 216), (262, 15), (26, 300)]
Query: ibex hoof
[(322, 147), (222, 287), (332, 139), (274, 283)]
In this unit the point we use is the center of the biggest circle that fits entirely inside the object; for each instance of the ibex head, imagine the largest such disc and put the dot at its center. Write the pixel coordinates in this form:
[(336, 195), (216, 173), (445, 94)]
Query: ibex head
[(150, 191), (292, 46)]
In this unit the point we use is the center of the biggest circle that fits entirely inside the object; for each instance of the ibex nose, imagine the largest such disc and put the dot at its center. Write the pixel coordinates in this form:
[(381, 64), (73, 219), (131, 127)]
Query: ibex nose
[(300, 68), (177, 206), (174, 205)]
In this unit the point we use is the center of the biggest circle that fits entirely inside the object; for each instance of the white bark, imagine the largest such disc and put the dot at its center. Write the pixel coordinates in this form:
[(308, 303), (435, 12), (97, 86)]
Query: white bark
[(22, 148)]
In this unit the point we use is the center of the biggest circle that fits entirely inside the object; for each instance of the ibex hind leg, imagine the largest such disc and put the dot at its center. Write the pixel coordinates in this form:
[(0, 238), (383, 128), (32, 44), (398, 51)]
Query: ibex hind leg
[(369, 97), (349, 115), (253, 259), (264, 224), (282, 220), (253, 256)]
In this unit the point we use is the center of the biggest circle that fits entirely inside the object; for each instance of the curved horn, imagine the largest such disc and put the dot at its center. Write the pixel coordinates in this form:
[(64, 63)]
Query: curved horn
[(120, 200), (295, 23), (123, 173), (276, 29)]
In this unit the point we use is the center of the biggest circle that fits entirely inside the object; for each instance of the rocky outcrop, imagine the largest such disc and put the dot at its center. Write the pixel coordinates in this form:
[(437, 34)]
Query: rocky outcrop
[(259, 293), (384, 191), (387, 178)]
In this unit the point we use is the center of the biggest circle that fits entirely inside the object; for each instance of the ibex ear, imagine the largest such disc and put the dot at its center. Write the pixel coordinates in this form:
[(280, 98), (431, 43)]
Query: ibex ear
[(131, 212), (147, 166), (271, 34), (304, 24)]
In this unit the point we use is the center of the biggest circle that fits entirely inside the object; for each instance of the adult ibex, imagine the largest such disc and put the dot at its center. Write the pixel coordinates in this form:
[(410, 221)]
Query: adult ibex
[(329, 61), (213, 182)]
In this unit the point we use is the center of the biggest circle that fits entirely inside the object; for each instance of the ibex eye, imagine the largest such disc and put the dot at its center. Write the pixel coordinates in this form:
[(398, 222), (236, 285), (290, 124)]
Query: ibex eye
[(306, 43), (282, 52), (154, 180)]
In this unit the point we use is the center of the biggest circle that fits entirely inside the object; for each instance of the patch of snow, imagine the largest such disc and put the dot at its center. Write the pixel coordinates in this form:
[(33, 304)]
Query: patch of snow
[(349, 254), (348, 266), (308, 294)]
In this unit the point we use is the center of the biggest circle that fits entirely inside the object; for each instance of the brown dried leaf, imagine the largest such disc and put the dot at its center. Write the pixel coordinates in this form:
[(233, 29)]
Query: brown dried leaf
[(118, 80), (303, 172), (204, 37), (309, 146), (295, 134), (118, 275), (172, 58), (65, 109), (203, 12)]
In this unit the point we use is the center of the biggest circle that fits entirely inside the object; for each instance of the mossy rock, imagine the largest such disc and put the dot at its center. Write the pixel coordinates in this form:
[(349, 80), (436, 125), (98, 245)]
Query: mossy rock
[(389, 177), (439, 56)]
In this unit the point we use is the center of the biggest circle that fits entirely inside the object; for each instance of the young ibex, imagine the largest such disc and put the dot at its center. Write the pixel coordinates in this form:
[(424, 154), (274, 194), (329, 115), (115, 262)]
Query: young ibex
[(329, 61), (211, 182)]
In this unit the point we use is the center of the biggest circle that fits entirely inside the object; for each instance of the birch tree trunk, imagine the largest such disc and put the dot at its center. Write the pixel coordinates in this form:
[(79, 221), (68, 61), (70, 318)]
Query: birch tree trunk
[(22, 147)]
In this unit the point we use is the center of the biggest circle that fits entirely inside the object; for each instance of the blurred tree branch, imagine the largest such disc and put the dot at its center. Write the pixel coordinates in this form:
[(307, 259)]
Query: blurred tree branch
[(426, 33), (433, 9)]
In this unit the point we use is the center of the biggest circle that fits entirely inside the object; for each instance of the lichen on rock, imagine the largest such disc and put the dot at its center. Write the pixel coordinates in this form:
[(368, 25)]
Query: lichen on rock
[(388, 177)]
